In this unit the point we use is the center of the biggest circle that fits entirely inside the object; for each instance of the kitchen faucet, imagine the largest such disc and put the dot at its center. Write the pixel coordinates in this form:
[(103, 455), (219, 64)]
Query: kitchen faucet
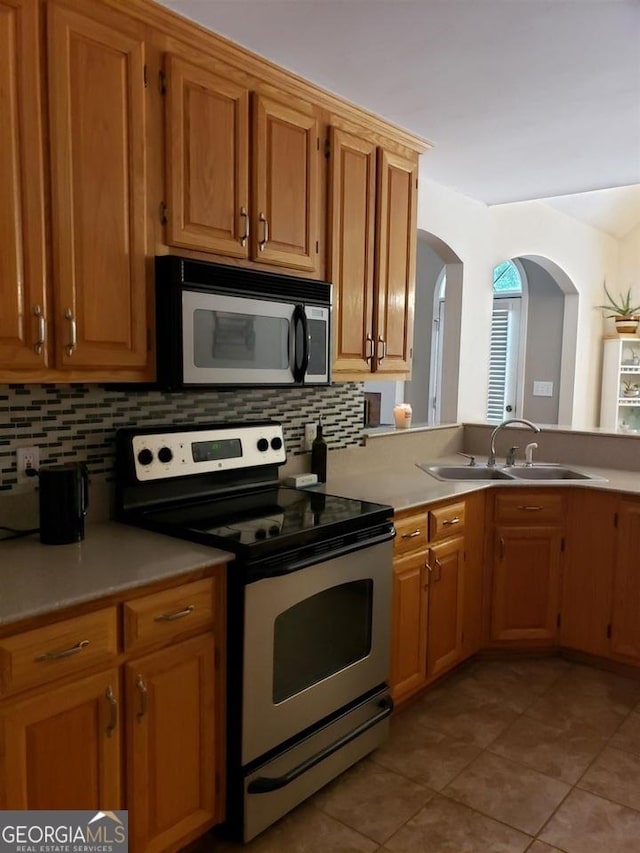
[(491, 461)]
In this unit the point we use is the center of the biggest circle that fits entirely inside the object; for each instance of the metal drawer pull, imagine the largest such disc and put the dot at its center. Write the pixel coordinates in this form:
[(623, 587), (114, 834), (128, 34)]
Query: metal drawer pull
[(113, 712), (262, 243), (171, 617), (42, 329), (245, 216), (532, 508), (73, 331), (62, 653), (454, 520), (411, 535), (144, 696)]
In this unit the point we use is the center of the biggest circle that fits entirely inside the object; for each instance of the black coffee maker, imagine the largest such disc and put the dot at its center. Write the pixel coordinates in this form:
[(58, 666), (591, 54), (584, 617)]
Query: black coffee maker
[(64, 498)]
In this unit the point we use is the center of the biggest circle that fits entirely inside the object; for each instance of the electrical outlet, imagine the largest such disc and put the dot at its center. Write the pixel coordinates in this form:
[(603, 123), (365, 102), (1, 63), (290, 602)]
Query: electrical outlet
[(27, 458), (310, 432)]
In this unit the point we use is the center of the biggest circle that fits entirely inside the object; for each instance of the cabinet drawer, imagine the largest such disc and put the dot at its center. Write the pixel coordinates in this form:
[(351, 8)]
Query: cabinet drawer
[(44, 654), (446, 521), (529, 507), (156, 618), (411, 533)]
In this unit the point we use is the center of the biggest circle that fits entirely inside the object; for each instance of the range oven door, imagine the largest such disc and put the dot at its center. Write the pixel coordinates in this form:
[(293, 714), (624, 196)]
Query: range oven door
[(315, 640), (240, 340)]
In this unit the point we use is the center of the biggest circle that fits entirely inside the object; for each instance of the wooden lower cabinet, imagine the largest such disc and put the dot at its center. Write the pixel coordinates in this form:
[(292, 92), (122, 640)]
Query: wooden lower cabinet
[(587, 573), (625, 617), (446, 605), (526, 583), (61, 747), (171, 744), (409, 640)]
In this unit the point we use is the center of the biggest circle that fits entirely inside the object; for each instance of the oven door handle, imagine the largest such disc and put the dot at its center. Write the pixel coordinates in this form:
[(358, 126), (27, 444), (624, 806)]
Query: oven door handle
[(300, 368), (266, 784)]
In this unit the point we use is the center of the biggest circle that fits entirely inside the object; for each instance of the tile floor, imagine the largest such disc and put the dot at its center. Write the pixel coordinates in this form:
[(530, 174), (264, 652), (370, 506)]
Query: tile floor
[(528, 755)]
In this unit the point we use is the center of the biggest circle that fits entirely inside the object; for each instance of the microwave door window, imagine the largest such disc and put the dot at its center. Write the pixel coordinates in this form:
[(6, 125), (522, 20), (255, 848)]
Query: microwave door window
[(229, 342), (318, 354)]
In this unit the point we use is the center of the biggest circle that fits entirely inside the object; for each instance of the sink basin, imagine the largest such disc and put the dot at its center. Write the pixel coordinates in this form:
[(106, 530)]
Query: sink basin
[(547, 472), (464, 472)]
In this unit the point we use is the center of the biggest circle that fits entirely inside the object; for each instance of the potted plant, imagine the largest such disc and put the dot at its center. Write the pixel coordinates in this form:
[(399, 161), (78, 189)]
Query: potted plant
[(630, 389), (624, 314)]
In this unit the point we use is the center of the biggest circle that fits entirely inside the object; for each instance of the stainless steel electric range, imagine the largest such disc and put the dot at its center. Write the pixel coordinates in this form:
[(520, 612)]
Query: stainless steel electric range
[(309, 600)]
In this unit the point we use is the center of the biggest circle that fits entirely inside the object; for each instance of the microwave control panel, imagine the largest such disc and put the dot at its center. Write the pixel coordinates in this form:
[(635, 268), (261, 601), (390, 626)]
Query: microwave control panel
[(160, 455)]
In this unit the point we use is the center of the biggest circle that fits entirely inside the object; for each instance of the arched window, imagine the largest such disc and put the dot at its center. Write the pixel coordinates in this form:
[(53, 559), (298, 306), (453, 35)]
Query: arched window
[(437, 339), (506, 334)]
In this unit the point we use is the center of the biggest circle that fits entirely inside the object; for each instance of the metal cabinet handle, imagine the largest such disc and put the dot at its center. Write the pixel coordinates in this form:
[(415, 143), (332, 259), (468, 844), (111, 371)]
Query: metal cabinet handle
[(501, 547), (454, 520), (370, 348), (382, 341), (42, 329), (144, 697), (171, 617), (73, 331), (62, 653), (113, 711), (532, 508), (265, 232), (429, 573), (245, 216), (438, 566), (411, 535)]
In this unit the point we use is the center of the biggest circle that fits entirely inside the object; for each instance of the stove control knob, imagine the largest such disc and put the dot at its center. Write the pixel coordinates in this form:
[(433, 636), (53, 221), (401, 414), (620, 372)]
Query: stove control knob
[(276, 443), (145, 456), (263, 445), (274, 530), (261, 533), (165, 454)]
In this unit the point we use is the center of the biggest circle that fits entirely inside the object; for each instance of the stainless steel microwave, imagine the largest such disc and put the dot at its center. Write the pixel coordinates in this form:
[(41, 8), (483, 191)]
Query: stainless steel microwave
[(231, 326)]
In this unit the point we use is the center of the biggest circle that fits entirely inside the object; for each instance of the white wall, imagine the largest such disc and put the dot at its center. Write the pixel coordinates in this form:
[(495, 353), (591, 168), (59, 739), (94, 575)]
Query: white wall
[(629, 274), (483, 237)]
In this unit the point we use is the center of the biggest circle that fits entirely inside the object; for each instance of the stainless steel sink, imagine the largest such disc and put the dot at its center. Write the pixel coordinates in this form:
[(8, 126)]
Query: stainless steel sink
[(464, 472), (547, 472), (514, 472)]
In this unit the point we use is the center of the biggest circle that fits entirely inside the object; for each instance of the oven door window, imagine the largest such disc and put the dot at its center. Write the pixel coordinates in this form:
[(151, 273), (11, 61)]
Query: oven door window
[(320, 636)]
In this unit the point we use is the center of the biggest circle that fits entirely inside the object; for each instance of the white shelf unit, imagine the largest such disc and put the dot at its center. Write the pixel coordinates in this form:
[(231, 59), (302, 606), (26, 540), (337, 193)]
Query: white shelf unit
[(620, 365)]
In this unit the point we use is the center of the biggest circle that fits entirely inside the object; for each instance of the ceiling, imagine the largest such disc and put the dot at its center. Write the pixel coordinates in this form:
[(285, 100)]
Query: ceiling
[(523, 99)]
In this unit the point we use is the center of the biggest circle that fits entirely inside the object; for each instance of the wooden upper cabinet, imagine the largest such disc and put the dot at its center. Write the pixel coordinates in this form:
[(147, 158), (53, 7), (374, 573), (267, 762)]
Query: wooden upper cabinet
[(207, 160), (285, 185), (352, 195), (395, 261), (24, 309), (625, 622), (98, 178)]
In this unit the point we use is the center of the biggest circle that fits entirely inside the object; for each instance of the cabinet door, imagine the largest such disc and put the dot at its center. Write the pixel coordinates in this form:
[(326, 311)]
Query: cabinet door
[(395, 261), (97, 116), (285, 180), (625, 622), (526, 583), (587, 573), (22, 261), (61, 747), (474, 546), (352, 233), (409, 626), (171, 750), (446, 605), (207, 160)]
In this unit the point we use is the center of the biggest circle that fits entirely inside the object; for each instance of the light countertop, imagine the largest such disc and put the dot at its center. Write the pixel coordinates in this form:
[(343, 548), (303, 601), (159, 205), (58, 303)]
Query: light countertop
[(113, 557)]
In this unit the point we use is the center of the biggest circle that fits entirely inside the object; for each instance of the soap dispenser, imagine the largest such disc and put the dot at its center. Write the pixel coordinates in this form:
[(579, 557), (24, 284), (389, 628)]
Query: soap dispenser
[(319, 455)]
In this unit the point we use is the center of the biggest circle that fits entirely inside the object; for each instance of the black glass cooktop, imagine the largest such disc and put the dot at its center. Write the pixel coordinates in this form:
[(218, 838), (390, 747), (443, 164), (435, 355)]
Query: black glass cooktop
[(270, 520)]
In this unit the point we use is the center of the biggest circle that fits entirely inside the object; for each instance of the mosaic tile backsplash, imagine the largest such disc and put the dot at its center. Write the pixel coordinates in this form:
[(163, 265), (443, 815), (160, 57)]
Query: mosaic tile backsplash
[(72, 423)]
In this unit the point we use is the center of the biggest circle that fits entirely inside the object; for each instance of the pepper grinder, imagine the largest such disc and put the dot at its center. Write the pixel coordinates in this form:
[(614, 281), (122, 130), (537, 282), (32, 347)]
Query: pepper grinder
[(319, 456)]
